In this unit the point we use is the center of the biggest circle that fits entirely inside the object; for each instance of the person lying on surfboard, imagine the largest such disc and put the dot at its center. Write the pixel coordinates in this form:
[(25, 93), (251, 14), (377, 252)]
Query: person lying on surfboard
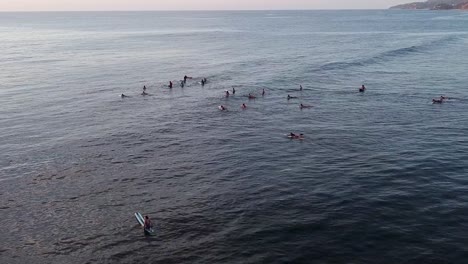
[(294, 136), (305, 106)]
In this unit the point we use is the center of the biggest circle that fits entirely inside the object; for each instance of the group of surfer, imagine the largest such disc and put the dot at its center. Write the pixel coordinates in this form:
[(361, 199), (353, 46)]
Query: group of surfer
[(243, 106), (251, 96), (171, 85)]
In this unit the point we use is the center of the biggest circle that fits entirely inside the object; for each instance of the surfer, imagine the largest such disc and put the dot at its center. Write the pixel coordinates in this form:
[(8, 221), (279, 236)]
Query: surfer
[(123, 95), (305, 106), (148, 225), (186, 77), (182, 84), (170, 84), (243, 106), (294, 136), (222, 108), (291, 97), (263, 92), (300, 87), (437, 101), (203, 82), (144, 87), (362, 89), (227, 93), (233, 90)]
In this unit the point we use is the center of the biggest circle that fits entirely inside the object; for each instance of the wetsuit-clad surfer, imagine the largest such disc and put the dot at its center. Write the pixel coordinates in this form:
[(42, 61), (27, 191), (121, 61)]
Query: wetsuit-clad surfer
[(148, 225)]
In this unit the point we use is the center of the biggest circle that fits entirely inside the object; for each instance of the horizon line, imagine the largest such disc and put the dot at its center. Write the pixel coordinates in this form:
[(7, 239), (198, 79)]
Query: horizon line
[(193, 10)]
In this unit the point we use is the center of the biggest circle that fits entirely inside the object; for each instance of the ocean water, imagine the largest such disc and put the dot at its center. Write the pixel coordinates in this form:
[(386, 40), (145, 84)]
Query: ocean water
[(381, 176)]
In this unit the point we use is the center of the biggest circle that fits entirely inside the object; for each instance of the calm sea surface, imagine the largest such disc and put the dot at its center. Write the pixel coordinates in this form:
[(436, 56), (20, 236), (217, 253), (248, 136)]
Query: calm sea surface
[(381, 177)]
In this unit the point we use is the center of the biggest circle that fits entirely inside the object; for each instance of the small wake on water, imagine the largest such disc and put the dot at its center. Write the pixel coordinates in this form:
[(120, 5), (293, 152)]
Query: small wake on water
[(390, 55)]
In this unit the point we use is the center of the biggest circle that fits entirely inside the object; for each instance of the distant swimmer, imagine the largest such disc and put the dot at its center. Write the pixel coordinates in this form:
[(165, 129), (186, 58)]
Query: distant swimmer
[(263, 92), (305, 106), (300, 87), (170, 84), (437, 101), (291, 97), (251, 96), (362, 89), (243, 106), (222, 108), (233, 90), (144, 87), (227, 93), (203, 82), (123, 95)]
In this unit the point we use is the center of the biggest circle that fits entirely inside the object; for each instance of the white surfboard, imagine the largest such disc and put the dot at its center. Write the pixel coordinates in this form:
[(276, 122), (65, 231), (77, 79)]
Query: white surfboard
[(140, 219)]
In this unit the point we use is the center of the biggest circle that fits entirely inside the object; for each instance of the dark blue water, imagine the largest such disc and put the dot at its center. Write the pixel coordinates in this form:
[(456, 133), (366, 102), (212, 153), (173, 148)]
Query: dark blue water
[(381, 177)]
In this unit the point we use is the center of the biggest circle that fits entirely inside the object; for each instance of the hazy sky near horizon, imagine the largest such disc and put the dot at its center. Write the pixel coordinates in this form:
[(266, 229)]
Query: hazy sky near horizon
[(85, 5)]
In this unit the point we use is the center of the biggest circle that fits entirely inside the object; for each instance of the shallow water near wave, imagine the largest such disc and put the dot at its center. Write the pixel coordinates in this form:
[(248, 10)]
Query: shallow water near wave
[(379, 178)]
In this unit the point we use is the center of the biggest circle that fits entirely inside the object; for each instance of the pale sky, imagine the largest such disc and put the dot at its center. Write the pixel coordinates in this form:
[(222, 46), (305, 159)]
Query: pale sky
[(113, 5)]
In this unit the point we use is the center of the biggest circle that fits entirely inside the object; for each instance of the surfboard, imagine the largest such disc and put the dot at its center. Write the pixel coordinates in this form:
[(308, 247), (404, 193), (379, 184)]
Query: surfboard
[(140, 219)]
